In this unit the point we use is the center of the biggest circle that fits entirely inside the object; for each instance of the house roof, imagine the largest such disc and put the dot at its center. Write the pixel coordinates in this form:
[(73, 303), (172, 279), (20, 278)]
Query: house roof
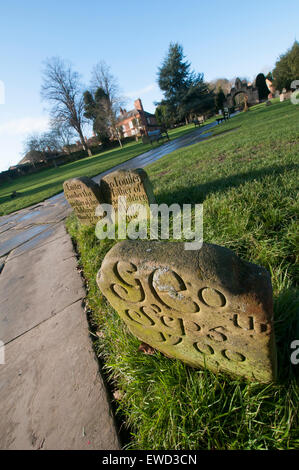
[(132, 113), (127, 114), (149, 114), (31, 156)]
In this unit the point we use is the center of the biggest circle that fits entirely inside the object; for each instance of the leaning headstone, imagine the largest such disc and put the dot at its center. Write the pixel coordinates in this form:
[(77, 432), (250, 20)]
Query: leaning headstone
[(84, 195), (207, 308), (133, 184)]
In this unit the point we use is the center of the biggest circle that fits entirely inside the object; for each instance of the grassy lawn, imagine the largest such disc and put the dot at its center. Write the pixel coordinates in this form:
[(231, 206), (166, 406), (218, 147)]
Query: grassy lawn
[(247, 182), (39, 186)]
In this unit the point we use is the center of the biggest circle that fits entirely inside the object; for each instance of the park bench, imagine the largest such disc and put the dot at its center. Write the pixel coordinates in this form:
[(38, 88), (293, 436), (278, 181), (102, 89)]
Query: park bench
[(220, 119), (198, 122), (155, 136), (224, 117)]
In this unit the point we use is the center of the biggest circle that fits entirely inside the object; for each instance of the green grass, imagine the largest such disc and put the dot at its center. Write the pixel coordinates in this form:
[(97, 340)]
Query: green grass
[(247, 181), (39, 186)]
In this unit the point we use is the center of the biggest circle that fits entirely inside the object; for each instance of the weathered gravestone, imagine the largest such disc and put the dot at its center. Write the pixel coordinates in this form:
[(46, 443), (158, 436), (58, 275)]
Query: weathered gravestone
[(84, 195), (133, 184), (206, 307)]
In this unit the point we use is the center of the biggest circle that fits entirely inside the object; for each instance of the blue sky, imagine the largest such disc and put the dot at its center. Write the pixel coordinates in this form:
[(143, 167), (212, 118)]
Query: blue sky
[(220, 38)]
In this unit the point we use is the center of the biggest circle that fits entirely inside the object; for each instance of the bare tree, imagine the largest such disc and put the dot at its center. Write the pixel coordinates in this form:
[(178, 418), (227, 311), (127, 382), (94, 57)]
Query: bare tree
[(104, 79), (62, 88), (223, 83), (37, 146), (62, 134), (33, 149), (33, 142)]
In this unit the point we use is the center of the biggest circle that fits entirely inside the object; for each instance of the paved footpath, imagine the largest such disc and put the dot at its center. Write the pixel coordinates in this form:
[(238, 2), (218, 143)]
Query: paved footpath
[(52, 395)]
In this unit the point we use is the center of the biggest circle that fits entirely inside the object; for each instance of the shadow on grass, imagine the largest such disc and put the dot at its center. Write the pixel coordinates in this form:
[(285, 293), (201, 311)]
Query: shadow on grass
[(286, 324), (31, 192), (286, 302), (198, 193)]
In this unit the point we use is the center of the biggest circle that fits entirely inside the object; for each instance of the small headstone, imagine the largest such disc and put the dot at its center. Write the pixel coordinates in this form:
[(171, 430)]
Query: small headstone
[(134, 184), (207, 308), (84, 195)]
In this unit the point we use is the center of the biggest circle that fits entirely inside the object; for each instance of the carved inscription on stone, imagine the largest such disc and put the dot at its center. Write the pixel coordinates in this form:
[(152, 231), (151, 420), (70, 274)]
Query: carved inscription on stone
[(206, 307), (133, 184), (84, 196)]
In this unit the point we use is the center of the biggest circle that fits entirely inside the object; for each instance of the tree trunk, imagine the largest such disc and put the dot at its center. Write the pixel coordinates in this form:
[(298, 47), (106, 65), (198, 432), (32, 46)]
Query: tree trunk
[(118, 138), (84, 144)]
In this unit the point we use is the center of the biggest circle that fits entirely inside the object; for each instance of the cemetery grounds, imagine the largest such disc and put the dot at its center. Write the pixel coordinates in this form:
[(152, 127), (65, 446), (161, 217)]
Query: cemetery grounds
[(245, 174), (39, 186)]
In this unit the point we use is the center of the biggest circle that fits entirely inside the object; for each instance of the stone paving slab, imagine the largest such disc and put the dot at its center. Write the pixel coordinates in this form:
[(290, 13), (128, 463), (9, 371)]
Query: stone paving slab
[(36, 285), (42, 215), (52, 395), (12, 238), (2, 263), (49, 235), (6, 226), (9, 218)]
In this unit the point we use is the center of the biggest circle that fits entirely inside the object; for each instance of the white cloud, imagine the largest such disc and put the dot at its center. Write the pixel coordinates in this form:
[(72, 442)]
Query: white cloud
[(12, 135), (142, 91), (24, 125)]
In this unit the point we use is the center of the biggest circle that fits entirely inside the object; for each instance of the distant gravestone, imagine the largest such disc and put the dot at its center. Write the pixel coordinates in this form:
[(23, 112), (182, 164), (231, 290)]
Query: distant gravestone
[(133, 184), (207, 308), (84, 195)]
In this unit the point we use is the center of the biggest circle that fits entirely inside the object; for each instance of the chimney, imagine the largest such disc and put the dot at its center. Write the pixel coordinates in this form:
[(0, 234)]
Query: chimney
[(138, 105)]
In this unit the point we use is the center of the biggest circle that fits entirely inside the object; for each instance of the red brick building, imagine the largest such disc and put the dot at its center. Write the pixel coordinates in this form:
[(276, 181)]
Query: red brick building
[(137, 121)]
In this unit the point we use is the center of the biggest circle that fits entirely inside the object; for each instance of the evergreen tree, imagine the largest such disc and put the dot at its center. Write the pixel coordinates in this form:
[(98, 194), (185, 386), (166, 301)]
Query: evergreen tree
[(95, 107), (220, 99), (198, 100), (287, 68), (173, 76), (184, 91), (164, 119), (261, 85)]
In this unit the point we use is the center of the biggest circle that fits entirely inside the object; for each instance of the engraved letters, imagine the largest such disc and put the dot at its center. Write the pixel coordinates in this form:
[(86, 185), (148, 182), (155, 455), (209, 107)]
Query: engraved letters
[(155, 288)]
